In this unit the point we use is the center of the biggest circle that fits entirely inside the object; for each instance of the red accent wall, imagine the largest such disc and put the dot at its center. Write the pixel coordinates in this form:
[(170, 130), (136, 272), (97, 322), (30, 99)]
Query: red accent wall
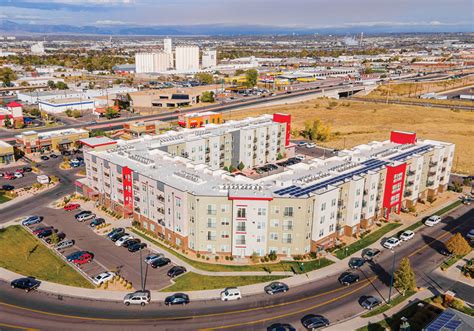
[(284, 118), (127, 187), (400, 137), (390, 182)]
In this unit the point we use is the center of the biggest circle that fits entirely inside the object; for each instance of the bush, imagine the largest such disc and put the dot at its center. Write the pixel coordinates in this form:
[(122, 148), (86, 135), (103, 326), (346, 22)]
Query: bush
[(438, 300), (207, 258), (231, 258), (272, 256), (226, 258), (198, 255), (457, 304), (217, 258)]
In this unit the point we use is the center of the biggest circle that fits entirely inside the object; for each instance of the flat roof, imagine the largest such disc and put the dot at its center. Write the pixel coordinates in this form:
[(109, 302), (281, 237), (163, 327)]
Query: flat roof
[(98, 141)]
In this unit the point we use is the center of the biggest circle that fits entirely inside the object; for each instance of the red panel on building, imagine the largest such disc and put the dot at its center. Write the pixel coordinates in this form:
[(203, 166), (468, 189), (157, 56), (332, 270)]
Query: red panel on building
[(284, 118), (127, 188), (394, 185), (401, 137)]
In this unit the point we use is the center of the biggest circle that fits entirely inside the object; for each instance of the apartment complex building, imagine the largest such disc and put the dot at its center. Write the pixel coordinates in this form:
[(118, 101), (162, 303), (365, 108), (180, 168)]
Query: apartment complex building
[(174, 185)]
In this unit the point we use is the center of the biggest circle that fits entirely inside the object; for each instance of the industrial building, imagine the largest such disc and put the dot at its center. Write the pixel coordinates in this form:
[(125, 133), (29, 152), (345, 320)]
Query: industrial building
[(209, 59), (57, 106), (187, 58)]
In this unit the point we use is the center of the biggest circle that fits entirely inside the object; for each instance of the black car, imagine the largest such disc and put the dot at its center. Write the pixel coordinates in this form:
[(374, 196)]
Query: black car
[(44, 158), (356, 262), (276, 287), (130, 242), (96, 222), (84, 212), (348, 278), (312, 321), (281, 327), (444, 251), (161, 262), (136, 247), (61, 237), (176, 271), (27, 169), (115, 231), (46, 233), (117, 236), (177, 299), (27, 283), (369, 302), (371, 254), (66, 153), (73, 256), (8, 187), (54, 156)]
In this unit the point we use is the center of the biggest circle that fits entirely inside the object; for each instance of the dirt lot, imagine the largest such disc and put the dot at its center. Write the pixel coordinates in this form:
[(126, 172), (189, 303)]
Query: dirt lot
[(353, 123)]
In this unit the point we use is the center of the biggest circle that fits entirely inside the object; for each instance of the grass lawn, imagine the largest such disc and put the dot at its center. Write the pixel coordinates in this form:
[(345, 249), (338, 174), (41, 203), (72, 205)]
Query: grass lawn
[(4, 198), (395, 301), (416, 225), (195, 282), (22, 253), (270, 267), (366, 241)]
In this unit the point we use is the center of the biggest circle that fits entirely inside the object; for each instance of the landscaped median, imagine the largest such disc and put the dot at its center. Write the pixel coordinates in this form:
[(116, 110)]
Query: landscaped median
[(22, 253), (291, 266), (396, 301)]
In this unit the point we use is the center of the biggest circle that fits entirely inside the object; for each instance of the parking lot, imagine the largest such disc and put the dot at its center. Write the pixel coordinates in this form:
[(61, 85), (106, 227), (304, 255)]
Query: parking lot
[(107, 256), (28, 178)]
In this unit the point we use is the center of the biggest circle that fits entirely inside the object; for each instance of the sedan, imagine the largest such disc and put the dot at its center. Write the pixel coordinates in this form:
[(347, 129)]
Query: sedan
[(54, 156), (276, 287), (46, 233), (8, 187), (71, 206), (96, 222), (44, 158), (115, 231), (136, 247), (71, 257), (348, 278), (123, 239), (61, 237), (130, 242), (369, 302), (161, 262), (433, 220), (407, 235), (40, 229), (27, 169), (26, 283), (281, 327), (371, 254), (150, 258), (177, 299), (117, 236), (103, 277), (312, 321), (470, 234), (30, 220), (391, 243), (176, 271), (356, 262), (9, 176)]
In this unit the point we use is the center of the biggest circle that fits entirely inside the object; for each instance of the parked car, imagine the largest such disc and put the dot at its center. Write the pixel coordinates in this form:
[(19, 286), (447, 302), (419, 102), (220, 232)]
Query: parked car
[(85, 217), (391, 243), (137, 298), (8, 187), (231, 293), (82, 259), (470, 234), (123, 239), (161, 262), (371, 254), (177, 299), (130, 242), (302, 143), (46, 233), (27, 169), (150, 258), (407, 235), (71, 206), (348, 278), (61, 236), (65, 244), (356, 262), (311, 321), (30, 220), (176, 271), (52, 155), (117, 236), (40, 229), (310, 145), (281, 327), (103, 277), (18, 174), (44, 158), (9, 176), (20, 170), (369, 302), (433, 220), (276, 287), (136, 247), (96, 222), (84, 212), (26, 283), (115, 231), (71, 257)]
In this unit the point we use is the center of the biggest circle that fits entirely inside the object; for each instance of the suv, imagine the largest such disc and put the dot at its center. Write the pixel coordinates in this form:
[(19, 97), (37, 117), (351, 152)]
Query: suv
[(61, 236), (85, 217), (46, 233), (371, 254), (96, 222), (433, 220), (369, 302), (231, 293), (137, 298), (115, 231), (30, 220)]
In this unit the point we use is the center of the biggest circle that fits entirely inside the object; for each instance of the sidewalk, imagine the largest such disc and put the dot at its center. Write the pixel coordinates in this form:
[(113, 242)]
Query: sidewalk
[(454, 271)]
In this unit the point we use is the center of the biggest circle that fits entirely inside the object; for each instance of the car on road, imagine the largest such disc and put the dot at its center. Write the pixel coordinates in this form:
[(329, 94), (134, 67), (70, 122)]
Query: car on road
[(8, 187), (136, 247), (25, 283), (27, 169), (61, 236), (176, 271), (371, 254), (137, 298), (231, 293), (407, 235), (391, 243), (177, 299), (115, 231), (44, 157), (65, 244), (356, 262), (30, 220), (85, 217), (310, 145), (96, 222), (433, 220), (123, 239), (83, 259), (117, 236), (161, 262), (470, 234), (281, 327), (71, 257), (150, 258), (276, 287), (71, 206), (312, 321), (103, 277), (369, 302), (9, 176), (348, 278)]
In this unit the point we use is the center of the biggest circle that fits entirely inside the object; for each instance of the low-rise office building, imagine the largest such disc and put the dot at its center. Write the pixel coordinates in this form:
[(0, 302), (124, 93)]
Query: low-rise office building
[(7, 154), (195, 120), (175, 185), (58, 141), (136, 129)]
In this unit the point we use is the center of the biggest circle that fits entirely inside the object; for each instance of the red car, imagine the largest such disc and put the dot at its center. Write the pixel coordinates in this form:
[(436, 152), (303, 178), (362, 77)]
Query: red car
[(9, 176), (42, 229), (21, 171), (71, 206), (84, 258)]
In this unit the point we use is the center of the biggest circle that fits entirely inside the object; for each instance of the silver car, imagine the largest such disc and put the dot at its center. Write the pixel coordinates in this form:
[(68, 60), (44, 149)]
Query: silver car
[(65, 244)]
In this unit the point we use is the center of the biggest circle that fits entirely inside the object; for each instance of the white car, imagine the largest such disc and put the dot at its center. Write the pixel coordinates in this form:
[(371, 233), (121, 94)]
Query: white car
[(433, 220), (470, 234), (103, 277), (391, 243), (123, 239), (407, 235), (231, 293), (310, 145), (18, 174)]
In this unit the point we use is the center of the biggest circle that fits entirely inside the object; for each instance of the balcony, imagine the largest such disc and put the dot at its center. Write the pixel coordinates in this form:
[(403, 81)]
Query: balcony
[(410, 183), (212, 211), (443, 169), (267, 152), (267, 145), (254, 147), (407, 193), (161, 210), (211, 225), (241, 228), (431, 173), (161, 198), (254, 140), (287, 227), (208, 150), (267, 137), (287, 240), (445, 159), (430, 183), (255, 156), (410, 173), (366, 192), (433, 164), (240, 241), (364, 203), (119, 179), (340, 202), (208, 159)]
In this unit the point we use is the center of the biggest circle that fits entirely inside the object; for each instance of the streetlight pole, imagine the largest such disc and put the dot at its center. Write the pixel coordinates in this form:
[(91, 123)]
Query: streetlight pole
[(391, 277), (141, 271)]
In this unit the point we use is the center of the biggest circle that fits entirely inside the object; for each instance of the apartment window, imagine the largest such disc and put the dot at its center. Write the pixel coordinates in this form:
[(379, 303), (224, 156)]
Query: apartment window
[(323, 218), (276, 210), (398, 177), (288, 212), (333, 202), (224, 234), (356, 217), (333, 215), (287, 225), (321, 232), (178, 202), (240, 240), (323, 206), (152, 227), (260, 225), (260, 239), (395, 199), (331, 228), (211, 223), (372, 197), (273, 236), (262, 211), (210, 248), (358, 191), (224, 221), (373, 186), (211, 235), (287, 239), (241, 226), (224, 248), (275, 223), (241, 212), (224, 208), (396, 187), (356, 205), (211, 209)]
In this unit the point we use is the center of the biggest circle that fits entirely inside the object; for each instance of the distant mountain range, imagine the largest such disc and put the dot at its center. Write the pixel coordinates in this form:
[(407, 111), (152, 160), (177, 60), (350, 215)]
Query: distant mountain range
[(11, 27)]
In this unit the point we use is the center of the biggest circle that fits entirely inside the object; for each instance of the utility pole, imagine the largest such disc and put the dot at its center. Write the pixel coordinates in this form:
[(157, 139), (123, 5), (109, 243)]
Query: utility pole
[(391, 277), (141, 272)]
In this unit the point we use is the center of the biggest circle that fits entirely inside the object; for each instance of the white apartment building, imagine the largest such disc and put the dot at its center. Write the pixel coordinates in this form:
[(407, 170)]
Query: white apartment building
[(187, 58), (209, 59)]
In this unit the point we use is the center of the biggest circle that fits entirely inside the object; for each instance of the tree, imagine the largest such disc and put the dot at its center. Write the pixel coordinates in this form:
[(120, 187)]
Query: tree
[(404, 277), (7, 75), (68, 112), (204, 77), (76, 113), (51, 84), (316, 130), (35, 112), (457, 245), (252, 76), (207, 96), (111, 112), (239, 72), (241, 166), (54, 238), (7, 122), (61, 86), (24, 84)]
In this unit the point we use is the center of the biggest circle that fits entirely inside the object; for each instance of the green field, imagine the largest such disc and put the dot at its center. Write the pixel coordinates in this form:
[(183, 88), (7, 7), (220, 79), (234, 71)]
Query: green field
[(22, 253), (195, 282), (4, 198)]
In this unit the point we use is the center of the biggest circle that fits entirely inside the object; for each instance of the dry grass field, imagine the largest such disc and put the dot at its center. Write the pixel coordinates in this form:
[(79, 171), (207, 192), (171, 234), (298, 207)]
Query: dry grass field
[(353, 123)]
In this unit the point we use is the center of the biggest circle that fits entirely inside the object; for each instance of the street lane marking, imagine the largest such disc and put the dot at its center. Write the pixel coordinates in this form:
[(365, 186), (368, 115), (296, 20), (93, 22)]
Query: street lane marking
[(17, 327), (191, 316)]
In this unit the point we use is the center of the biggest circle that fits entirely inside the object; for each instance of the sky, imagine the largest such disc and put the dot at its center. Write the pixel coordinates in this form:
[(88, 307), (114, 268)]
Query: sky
[(283, 13)]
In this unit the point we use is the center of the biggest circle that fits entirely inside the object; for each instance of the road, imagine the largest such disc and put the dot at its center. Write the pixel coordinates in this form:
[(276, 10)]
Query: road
[(39, 310)]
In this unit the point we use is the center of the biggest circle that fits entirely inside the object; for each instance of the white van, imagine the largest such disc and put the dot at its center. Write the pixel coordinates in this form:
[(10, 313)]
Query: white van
[(231, 293)]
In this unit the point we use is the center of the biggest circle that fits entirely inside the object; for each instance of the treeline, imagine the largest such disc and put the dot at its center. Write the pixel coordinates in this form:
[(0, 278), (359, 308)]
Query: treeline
[(241, 52)]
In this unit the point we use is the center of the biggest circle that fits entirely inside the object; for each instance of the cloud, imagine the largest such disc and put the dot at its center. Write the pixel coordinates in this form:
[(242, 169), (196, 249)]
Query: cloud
[(109, 22)]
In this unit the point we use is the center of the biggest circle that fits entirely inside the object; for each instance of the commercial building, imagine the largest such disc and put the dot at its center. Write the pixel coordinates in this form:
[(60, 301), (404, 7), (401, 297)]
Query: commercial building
[(14, 112), (195, 120), (187, 58), (176, 97), (58, 141), (57, 106), (176, 185), (7, 154), (137, 129), (209, 59)]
